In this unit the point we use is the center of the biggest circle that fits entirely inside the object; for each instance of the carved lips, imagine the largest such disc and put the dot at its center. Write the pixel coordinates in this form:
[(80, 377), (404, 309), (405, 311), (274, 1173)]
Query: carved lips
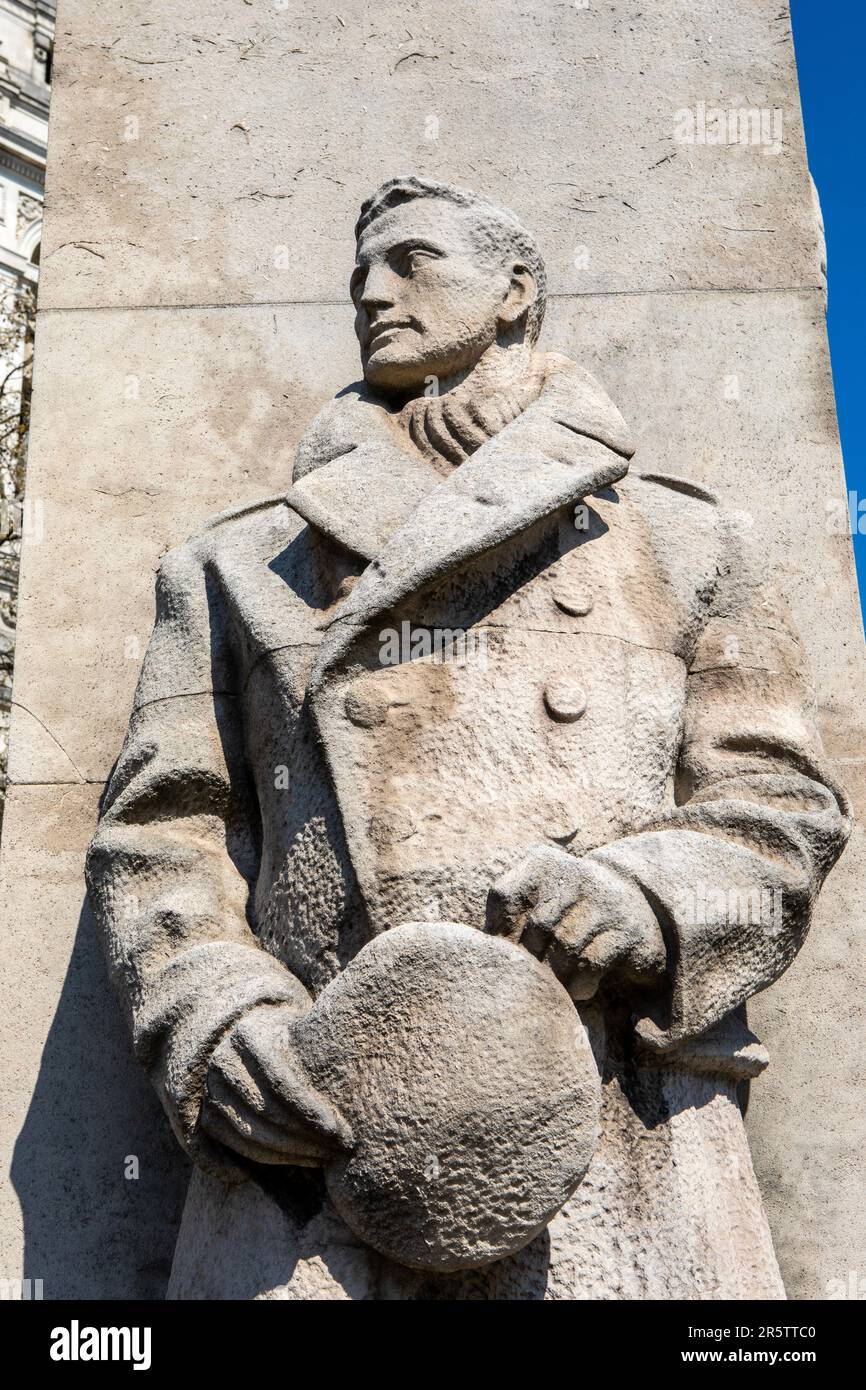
[(383, 328)]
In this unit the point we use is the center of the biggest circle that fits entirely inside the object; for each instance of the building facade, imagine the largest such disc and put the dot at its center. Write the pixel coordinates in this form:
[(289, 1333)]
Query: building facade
[(26, 47)]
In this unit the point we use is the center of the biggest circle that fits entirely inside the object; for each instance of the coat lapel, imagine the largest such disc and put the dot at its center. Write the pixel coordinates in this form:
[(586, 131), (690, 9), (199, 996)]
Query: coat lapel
[(570, 443), (361, 498), (415, 528)]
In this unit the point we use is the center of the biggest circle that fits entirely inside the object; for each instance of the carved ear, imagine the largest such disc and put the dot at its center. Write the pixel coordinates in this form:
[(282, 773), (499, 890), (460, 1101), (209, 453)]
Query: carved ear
[(520, 296)]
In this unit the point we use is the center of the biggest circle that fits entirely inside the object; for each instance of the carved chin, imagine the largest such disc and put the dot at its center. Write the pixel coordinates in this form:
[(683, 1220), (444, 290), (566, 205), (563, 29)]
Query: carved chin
[(389, 368)]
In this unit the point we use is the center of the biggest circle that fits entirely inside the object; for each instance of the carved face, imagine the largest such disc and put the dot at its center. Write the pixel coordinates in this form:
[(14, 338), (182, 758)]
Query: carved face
[(429, 301)]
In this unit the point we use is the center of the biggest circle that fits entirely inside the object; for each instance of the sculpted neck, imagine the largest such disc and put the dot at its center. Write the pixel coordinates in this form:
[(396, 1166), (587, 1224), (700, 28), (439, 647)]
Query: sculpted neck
[(473, 405), (497, 369)]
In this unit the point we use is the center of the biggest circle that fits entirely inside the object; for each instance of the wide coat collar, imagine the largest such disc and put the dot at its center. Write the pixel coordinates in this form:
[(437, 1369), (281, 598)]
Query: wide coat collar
[(359, 480)]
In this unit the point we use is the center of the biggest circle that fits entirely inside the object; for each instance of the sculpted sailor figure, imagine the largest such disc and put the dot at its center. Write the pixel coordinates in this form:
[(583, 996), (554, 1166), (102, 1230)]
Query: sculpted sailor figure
[(595, 805)]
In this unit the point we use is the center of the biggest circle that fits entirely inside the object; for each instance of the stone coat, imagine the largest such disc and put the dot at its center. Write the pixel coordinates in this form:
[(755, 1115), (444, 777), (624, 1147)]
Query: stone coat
[(364, 702)]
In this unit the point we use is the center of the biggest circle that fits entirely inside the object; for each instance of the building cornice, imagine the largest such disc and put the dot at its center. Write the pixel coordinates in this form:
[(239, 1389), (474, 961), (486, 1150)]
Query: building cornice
[(24, 88), (26, 165), (34, 10)]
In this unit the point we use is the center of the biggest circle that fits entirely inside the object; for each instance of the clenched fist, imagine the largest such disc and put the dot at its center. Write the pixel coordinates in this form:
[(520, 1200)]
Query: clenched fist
[(258, 1102), (581, 917)]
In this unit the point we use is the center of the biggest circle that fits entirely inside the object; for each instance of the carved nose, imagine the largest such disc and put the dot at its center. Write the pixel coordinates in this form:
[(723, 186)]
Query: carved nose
[(378, 291)]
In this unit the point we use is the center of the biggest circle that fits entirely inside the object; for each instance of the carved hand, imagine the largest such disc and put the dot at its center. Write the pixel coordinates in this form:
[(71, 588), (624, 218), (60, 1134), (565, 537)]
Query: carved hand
[(258, 1102), (580, 917)]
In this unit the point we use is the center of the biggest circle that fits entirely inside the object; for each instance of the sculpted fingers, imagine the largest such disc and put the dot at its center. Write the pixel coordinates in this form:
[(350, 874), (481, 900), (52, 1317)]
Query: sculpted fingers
[(265, 1051), (258, 1102), (509, 902), (309, 1108), (486, 413), (514, 897), (226, 1116), (581, 958), (579, 918), (607, 946), (571, 932)]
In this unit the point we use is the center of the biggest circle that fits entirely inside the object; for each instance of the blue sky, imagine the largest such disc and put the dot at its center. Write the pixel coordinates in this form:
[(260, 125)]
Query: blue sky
[(830, 42)]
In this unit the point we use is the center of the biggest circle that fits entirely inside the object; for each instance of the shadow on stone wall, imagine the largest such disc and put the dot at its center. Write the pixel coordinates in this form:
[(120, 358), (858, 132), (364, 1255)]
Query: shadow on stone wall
[(91, 1232)]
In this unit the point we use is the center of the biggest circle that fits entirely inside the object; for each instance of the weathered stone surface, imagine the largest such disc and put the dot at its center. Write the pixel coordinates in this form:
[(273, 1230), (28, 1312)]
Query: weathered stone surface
[(470, 1087), (623, 776), (92, 1182), (167, 431), (220, 144), (295, 1247), (806, 1120), (705, 218)]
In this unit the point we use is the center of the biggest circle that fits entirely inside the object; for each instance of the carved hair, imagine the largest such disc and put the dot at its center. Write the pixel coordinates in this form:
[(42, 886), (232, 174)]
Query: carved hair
[(497, 231)]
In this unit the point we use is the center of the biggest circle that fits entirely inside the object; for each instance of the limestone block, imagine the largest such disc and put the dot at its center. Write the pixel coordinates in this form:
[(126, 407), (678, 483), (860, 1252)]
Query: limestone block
[(216, 156), (93, 1180), (168, 419), (805, 1120), (225, 152)]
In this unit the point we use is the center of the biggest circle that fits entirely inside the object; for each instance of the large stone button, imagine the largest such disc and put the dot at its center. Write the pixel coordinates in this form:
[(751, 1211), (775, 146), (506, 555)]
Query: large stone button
[(564, 699), (575, 599), (558, 823), (366, 705)]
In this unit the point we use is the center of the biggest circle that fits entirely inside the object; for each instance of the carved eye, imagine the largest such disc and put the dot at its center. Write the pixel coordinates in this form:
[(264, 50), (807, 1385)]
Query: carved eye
[(356, 283), (413, 257)]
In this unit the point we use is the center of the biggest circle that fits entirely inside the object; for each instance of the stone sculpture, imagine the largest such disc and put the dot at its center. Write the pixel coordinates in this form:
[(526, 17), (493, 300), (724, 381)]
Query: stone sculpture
[(475, 675)]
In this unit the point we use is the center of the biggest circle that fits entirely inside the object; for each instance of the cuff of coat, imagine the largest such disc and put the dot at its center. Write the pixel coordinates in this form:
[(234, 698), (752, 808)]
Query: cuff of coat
[(190, 1005), (717, 960)]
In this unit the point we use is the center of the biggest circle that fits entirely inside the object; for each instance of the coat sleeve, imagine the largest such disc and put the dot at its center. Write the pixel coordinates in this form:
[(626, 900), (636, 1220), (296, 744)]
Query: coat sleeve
[(174, 856), (733, 869)]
